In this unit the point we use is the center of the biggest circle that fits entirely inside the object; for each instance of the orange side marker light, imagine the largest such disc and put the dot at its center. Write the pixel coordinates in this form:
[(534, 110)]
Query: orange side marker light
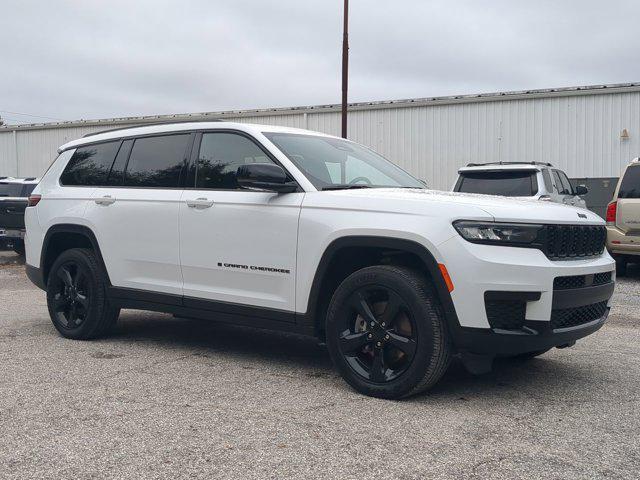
[(446, 277)]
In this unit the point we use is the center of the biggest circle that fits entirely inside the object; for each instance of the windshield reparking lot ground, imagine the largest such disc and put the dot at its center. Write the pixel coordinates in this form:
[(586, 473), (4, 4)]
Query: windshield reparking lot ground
[(176, 398)]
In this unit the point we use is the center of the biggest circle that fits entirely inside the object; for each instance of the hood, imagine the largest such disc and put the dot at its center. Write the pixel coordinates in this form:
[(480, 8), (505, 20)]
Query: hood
[(502, 209)]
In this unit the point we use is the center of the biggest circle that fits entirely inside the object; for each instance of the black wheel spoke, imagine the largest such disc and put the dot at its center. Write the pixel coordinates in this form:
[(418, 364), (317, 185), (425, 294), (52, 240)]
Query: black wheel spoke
[(378, 370), (391, 310), (353, 342), (78, 281), (73, 314), (65, 275), (83, 301), (60, 302), (407, 345), (361, 305)]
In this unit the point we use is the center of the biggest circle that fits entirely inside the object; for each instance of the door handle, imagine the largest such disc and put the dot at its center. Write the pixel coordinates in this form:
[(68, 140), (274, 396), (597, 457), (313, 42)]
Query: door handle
[(106, 200), (200, 203)]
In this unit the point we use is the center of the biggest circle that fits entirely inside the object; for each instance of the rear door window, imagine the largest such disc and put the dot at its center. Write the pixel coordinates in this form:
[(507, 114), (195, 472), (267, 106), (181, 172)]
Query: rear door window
[(630, 186), (90, 165), (157, 161), (508, 184)]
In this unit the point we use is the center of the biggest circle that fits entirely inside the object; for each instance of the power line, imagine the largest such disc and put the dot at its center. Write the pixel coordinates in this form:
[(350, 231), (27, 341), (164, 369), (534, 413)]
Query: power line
[(31, 115)]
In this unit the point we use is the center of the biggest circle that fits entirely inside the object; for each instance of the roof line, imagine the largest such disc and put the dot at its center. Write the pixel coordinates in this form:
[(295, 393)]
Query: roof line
[(403, 103)]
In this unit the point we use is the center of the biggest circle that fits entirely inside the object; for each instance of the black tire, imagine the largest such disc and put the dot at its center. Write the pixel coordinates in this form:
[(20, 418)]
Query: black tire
[(18, 247), (77, 296), (621, 266), (403, 348)]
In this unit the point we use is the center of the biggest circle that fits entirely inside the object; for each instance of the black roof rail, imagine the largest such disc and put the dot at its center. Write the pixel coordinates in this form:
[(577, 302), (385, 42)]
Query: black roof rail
[(151, 123), (544, 164), (29, 179)]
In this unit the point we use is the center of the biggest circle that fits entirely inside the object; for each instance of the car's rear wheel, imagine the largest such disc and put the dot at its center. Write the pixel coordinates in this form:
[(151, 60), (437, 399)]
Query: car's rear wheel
[(386, 332), (77, 296)]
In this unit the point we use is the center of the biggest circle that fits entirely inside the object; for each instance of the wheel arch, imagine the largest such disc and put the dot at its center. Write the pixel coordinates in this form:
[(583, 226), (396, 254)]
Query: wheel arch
[(324, 285), (61, 237)]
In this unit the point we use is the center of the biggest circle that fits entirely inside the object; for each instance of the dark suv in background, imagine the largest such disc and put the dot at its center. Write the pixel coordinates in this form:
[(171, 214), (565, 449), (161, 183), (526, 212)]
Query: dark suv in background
[(14, 193)]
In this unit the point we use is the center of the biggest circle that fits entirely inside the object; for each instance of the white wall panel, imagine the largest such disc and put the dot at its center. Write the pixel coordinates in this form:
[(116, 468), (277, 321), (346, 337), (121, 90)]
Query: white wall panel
[(578, 133)]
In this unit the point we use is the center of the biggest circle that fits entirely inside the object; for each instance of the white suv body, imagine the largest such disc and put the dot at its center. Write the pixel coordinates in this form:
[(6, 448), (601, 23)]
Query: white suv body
[(247, 250), (532, 180)]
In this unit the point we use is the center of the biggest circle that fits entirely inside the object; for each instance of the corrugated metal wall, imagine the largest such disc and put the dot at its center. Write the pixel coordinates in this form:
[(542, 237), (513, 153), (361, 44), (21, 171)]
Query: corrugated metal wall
[(578, 133)]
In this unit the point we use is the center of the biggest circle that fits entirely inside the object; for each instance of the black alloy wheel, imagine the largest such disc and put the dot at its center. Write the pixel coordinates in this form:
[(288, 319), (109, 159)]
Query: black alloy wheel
[(379, 336), (77, 296), (386, 332), (71, 295)]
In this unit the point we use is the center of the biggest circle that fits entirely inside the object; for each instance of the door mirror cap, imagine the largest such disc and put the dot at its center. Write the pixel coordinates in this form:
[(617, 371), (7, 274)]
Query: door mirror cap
[(581, 190), (264, 176)]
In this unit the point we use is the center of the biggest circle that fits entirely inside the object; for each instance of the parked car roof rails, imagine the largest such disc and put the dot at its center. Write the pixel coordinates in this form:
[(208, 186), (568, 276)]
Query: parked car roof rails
[(544, 164), (151, 124)]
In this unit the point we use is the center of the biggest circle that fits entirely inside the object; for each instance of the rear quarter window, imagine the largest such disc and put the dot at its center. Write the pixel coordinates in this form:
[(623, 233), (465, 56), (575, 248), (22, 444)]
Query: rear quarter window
[(630, 185), (90, 165), (508, 184)]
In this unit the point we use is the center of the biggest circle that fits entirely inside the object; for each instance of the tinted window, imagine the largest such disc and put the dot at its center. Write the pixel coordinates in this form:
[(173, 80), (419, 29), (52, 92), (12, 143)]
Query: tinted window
[(28, 188), (10, 189), (220, 156), (90, 165), (157, 161), (508, 184), (630, 186)]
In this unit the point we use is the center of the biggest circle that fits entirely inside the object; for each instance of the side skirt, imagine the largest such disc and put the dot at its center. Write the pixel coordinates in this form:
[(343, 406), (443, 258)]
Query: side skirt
[(224, 312)]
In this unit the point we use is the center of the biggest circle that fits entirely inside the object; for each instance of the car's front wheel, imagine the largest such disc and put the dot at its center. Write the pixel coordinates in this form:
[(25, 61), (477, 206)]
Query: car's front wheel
[(77, 296), (386, 332)]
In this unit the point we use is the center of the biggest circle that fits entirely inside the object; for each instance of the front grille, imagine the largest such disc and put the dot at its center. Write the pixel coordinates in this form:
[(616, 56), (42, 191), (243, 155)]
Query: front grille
[(580, 281), (571, 317), (506, 314), (568, 242)]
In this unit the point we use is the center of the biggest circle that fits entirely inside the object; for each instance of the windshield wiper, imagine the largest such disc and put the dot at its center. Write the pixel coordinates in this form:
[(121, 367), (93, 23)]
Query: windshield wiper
[(345, 187)]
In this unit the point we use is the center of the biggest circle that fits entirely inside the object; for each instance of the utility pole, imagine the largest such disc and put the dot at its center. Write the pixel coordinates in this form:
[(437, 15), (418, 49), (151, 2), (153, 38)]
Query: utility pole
[(345, 67)]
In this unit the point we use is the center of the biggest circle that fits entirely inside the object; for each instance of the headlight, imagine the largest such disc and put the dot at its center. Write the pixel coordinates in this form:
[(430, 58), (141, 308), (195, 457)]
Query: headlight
[(514, 234)]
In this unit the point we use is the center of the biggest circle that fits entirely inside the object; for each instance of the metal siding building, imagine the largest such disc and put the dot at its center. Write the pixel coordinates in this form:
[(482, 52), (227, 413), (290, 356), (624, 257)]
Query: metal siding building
[(577, 129)]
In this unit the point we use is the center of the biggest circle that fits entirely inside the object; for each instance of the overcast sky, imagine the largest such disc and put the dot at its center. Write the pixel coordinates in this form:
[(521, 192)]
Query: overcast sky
[(93, 59)]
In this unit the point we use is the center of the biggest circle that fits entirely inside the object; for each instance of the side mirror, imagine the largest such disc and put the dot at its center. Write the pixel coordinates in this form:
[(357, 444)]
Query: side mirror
[(264, 176), (581, 190)]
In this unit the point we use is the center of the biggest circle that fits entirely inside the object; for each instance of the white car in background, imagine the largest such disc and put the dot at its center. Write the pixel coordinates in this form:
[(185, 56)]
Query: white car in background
[(533, 180)]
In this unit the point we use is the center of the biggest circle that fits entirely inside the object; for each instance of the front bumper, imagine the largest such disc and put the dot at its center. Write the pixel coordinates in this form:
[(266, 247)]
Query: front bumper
[(527, 275), (537, 336)]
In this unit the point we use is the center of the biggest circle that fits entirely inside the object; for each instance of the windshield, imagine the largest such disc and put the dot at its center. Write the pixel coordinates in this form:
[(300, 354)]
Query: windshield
[(508, 184), (332, 163)]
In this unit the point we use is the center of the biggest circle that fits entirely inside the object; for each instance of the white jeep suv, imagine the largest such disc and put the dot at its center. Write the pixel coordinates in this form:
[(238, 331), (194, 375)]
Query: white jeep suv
[(293, 230)]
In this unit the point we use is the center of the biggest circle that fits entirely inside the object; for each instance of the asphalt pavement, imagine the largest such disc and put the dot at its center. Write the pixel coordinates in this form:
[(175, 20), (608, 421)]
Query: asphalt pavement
[(173, 398)]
